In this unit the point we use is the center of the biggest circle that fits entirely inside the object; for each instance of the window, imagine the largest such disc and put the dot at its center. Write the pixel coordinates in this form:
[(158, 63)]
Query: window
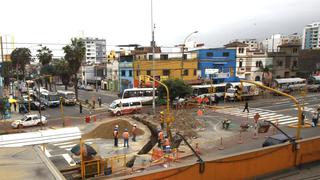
[(195, 72), (185, 72), (125, 104), (149, 72), (135, 104), (164, 56), (123, 73), (130, 73), (295, 64), (257, 63), (225, 54), (166, 72), (137, 72), (295, 50), (240, 63), (280, 63), (209, 54), (241, 50), (150, 57), (184, 56)]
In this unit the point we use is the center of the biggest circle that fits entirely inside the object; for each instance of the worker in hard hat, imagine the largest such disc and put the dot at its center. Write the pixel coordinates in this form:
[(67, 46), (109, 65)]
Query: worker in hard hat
[(161, 119), (125, 136), (134, 132), (166, 145), (116, 135), (160, 137)]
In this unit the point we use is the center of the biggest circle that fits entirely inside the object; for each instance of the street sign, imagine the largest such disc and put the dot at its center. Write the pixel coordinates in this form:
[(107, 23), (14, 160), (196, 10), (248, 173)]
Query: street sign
[(211, 71)]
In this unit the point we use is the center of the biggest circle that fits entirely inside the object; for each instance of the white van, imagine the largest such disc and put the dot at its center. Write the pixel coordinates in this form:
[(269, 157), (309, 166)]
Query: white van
[(125, 106), (68, 97)]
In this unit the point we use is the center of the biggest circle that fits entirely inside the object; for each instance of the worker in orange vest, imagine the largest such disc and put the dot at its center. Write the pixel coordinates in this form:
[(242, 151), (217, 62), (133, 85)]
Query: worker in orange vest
[(166, 144), (125, 136), (160, 138), (116, 136)]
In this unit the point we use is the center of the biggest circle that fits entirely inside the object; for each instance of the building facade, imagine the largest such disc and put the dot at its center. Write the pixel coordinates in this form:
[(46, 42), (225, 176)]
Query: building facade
[(95, 50), (285, 62), (126, 72), (311, 36), (217, 64), (166, 66), (272, 44), (309, 62)]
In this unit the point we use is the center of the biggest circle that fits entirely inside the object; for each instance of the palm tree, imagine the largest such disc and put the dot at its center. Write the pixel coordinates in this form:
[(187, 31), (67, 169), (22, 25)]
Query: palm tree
[(61, 69), (20, 58), (45, 57), (74, 55)]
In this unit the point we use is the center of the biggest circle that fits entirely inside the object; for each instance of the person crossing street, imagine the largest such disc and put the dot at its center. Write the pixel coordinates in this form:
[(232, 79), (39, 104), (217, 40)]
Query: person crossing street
[(246, 107), (116, 136)]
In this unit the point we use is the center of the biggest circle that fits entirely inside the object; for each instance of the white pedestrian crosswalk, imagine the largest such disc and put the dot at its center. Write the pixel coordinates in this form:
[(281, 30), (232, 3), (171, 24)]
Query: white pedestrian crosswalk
[(265, 114)]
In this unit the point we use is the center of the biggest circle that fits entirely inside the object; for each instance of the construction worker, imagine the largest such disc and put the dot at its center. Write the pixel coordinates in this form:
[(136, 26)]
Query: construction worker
[(166, 144), (125, 137), (116, 136), (160, 138), (162, 119), (134, 132), (246, 107), (80, 107)]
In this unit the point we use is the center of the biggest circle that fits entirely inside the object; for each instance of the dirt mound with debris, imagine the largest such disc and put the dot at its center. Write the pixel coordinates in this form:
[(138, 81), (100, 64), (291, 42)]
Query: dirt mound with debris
[(105, 130), (185, 123)]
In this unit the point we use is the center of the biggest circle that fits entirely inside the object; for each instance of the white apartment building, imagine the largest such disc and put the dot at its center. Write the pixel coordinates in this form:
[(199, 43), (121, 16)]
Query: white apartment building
[(95, 50), (272, 43), (311, 36), (253, 44)]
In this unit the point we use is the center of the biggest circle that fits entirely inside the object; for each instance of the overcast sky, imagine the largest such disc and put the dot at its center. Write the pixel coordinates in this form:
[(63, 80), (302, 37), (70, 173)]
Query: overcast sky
[(128, 21)]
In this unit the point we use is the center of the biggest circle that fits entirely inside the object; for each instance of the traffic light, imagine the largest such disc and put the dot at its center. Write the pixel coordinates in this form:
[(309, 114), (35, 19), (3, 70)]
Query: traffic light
[(211, 89), (239, 92)]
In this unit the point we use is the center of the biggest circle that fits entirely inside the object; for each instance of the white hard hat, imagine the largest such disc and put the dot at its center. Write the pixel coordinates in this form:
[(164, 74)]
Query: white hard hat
[(135, 125), (117, 126)]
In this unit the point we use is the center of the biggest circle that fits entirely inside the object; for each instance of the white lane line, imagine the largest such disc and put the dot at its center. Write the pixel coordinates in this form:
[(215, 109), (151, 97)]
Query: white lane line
[(288, 122)]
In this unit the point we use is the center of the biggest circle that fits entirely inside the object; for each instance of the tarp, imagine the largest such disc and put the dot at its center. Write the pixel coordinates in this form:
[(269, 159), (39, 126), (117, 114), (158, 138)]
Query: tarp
[(232, 79)]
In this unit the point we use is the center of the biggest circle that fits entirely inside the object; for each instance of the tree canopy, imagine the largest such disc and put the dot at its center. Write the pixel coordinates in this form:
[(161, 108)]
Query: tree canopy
[(177, 88), (44, 55), (20, 57)]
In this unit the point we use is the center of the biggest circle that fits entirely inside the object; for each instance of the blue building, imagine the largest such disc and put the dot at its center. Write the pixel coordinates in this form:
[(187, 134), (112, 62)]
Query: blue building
[(217, 64), (126, 72)]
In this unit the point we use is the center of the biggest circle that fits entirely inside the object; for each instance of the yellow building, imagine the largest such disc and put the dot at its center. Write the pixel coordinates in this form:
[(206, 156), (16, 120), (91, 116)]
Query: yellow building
[(166, 68)]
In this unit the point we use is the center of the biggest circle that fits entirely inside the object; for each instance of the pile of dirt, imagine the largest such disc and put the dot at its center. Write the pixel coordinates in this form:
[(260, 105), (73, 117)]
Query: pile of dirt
[(185, 123), (105, 130)]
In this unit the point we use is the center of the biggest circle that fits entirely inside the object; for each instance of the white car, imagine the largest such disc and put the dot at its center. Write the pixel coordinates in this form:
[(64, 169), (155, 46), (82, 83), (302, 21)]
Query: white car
[(29, 120)]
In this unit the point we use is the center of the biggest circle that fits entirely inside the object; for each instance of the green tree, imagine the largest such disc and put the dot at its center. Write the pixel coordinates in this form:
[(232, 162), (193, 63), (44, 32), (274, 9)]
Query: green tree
[(20, 57), (177, 88), (74, 55), (44, 55), (60, 68), (6, 72)]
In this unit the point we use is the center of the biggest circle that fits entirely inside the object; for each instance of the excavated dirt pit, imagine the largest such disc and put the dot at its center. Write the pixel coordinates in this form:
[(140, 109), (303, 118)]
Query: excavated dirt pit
[(105, 130)]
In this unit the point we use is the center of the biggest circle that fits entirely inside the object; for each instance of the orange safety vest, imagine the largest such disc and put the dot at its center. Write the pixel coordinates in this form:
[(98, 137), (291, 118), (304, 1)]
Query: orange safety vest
[(166, 142), (125, 135), (115, 134), (160, 135)]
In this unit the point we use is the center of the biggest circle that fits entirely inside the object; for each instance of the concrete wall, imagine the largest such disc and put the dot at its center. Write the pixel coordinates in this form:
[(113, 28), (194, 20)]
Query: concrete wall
[(246, 165)]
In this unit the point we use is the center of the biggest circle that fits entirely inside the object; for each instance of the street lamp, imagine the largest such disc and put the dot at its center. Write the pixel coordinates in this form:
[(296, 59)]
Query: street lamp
[(183, 46)]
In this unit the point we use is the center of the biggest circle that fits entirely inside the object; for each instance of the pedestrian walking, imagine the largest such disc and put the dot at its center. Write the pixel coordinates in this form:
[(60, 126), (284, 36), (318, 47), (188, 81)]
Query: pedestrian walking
[(314, 119), (160, 138), (302, 118), (134, 132), (125, 136), (246, 107), (15, 107), (99, 101), (93, 104), (80, 107), (116, 136)]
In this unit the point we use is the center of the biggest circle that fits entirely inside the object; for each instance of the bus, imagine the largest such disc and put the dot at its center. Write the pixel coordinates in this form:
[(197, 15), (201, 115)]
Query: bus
[(288, 85), (144, 94), (313, 83), (226, 90), (50, 99), (68, 97)]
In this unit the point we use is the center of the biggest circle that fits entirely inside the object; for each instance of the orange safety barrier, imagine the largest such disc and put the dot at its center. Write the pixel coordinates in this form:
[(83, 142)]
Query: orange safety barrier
[(157, 153)]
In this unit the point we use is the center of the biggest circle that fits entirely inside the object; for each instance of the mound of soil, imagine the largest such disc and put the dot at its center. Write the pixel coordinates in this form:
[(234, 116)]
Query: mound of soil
[(105, 130)]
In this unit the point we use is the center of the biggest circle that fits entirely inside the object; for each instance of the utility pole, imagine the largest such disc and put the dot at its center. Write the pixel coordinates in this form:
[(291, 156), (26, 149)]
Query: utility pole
[(1, 68), (153, 70)]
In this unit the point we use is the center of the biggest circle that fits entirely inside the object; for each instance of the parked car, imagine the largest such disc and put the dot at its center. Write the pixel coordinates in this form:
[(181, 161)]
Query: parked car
[(276, 139), (81, 87), (29, 120), (88, 88), (34, 105)]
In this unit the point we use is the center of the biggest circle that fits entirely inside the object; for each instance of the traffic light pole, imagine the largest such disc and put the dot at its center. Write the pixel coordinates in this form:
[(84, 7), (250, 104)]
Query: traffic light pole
[(168, 103), (284, 94)]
